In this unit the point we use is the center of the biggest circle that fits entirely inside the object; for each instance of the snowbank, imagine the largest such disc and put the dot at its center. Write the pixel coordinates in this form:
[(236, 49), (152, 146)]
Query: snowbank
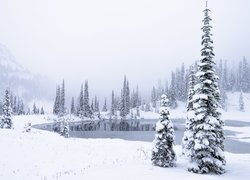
[(45, 155)]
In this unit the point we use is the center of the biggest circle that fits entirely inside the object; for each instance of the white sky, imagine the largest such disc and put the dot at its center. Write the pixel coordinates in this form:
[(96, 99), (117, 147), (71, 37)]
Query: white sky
[(101, 40)]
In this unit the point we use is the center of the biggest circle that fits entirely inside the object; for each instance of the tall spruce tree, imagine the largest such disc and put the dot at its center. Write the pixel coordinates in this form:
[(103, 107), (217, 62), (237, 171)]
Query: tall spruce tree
[(125, 99), (163, 154), (86, 107), (81, 103), (7, 112), (62, 100), (207, 142)]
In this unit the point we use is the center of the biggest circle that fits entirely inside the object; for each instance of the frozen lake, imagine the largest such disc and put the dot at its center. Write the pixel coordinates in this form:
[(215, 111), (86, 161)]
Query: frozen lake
[(231, 145)]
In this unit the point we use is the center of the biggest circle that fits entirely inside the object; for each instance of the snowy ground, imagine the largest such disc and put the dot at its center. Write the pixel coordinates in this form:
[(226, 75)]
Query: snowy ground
[(232, 112), (44, 155)]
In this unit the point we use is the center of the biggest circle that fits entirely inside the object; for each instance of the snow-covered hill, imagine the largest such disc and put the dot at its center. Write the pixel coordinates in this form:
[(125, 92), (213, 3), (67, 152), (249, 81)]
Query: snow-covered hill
[(20, 81)]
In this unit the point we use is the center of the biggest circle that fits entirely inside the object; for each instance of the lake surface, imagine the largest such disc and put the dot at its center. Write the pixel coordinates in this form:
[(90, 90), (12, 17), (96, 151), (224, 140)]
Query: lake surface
[(231, 145)]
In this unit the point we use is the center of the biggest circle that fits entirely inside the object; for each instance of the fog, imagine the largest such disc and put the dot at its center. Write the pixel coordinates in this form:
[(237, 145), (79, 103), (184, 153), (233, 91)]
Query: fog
[(102, 40)]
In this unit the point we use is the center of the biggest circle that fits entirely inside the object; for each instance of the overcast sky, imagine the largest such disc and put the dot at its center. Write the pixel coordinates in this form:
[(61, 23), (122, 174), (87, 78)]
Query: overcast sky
[(101, 40)]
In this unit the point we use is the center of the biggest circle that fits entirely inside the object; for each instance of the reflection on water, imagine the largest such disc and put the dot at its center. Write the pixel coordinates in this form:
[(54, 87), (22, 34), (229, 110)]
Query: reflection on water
[(140, 130)]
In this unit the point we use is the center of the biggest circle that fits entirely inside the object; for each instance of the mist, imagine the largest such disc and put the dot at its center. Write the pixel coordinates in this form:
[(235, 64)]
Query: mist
[(101, 41)]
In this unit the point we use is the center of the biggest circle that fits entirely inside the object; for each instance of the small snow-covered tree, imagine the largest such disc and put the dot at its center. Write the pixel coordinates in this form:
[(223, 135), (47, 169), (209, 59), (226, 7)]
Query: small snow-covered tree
[(65, 132), (163, 154), (241, 102), (7, 112), (206, 146), (27, 127)]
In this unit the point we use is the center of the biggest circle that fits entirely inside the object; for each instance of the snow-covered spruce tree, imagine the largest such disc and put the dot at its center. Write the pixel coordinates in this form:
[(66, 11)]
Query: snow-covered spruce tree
[(207, 144), (123, 103), (81, 104), (112, 110), (62, 109), (241, 102), (190, 114), (7, 112), (127, 97), (57, 101), (87, 111), (163, 154)]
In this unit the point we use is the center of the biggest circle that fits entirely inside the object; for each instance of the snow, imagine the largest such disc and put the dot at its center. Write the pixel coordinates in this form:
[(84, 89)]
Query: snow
[(46, 155), (159, 126), (232, 112)]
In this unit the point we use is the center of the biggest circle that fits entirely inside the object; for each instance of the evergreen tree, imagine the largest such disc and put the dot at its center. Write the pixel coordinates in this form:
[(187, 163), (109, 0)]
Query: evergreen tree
[(92, 106), (21, 110), (207, 142), (163, 154), (104, 109), (123, 108), (42, 111), (81, 103), (96, 105), (72, 108), (62, 100), (153, 97), (65, 130), (34, 111), (147, 107), (127, 99), (138, 111), (225, 76), (56, 109), (86, 107), (1, 110), (245, 76), (113, 104), (240, 77), (241, 102), (7, 112), (190, 116), (15, 106)]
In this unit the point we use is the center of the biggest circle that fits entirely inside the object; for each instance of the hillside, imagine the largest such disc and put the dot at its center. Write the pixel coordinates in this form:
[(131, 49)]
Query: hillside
[(20, 80)]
